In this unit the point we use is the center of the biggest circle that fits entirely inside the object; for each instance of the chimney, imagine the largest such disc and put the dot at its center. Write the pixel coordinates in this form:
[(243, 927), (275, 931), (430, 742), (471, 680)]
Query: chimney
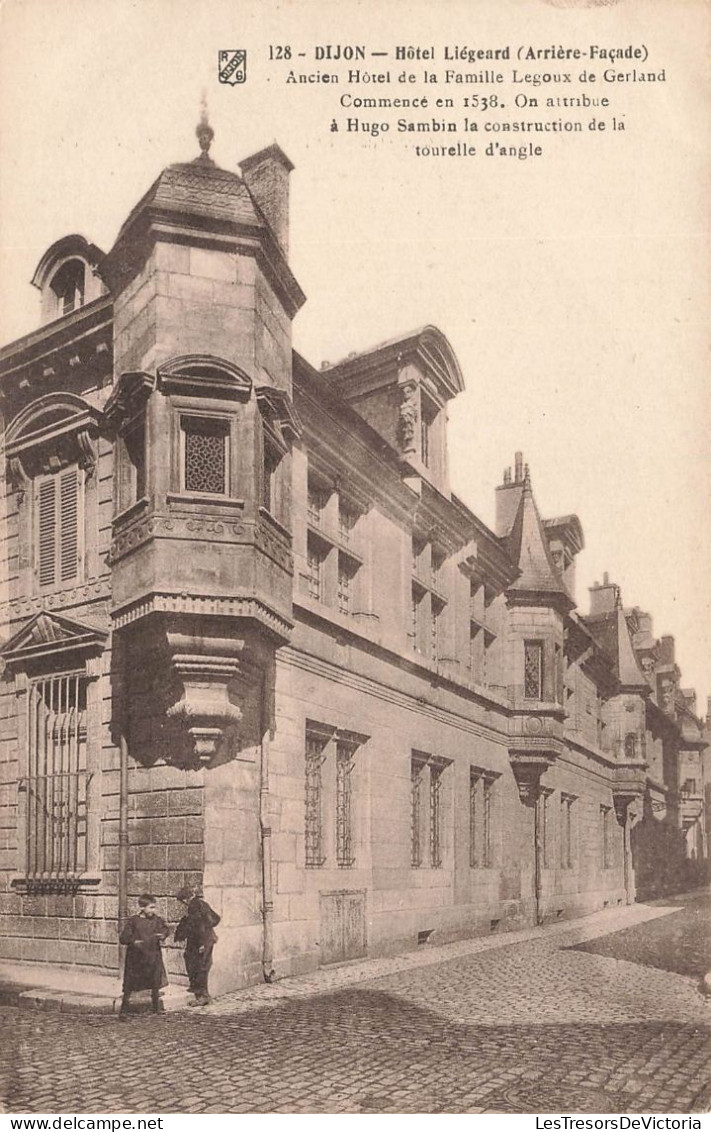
[(266, 175), (604, 598), (508, 495), (666, 650), (689, 695)]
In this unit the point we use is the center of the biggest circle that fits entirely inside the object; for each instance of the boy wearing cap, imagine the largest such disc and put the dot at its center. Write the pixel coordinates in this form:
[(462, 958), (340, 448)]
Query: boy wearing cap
[(197, 929), (143, 935)]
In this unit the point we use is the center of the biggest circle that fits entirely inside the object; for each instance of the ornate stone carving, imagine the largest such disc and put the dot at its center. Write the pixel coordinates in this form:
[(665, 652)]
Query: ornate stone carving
[(409, 415), (205, 709), (528, 768)]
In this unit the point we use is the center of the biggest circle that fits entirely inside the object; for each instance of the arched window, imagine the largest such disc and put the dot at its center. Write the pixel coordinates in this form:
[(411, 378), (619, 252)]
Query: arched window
[(68, 286)]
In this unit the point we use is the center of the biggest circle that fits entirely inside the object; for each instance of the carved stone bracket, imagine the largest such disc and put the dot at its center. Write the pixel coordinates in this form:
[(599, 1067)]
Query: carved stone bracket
[(19, 480), (528, 768), (205, 709), (409, 415)]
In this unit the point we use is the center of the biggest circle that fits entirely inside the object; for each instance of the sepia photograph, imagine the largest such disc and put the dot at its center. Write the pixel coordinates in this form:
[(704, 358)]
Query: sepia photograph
[(355, 540)]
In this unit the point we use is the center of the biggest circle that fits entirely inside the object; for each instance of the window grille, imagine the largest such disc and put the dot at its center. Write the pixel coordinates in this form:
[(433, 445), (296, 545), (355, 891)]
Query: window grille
[(481, 789), (434, 630), (566, 831), (57, 779), (315, 745), (344, 588), (135, 443), (314, 570), (630, 746), (435, 817), (205, 455), (269, 471), (347, 519), (488, 788), (417, 768), (475, 649), (474, 820), (606, 836), (344, 812), (316, 501), (533, 670), (415, 618), (544, 832), (58, 528)]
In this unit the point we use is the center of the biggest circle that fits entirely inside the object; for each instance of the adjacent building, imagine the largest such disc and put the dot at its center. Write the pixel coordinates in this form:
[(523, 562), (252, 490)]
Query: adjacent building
[(253, 641)]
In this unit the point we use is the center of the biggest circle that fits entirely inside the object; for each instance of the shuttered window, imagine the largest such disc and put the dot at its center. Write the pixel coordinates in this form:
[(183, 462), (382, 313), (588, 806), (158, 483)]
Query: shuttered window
[(58, 528)]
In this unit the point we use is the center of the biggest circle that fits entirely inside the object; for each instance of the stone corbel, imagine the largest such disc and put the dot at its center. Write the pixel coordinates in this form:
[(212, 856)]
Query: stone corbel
[(528, 770), (19, 480), (205, 710), (86, 443), (625, 801)]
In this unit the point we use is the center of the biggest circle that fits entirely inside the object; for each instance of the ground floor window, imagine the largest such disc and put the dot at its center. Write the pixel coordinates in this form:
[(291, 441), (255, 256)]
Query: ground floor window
[(426, 810), (330, 802), (606, 827), (481, 820), (57, 778), (567, 831)]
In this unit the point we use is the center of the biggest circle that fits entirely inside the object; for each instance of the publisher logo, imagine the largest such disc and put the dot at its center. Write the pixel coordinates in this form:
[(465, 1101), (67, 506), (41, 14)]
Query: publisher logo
[(232, 67)]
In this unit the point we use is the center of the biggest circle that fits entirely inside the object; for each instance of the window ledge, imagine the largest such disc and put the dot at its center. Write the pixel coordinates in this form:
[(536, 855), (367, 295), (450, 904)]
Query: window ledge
[(54, 886), (265, 513), (130, 512), (193, 499)]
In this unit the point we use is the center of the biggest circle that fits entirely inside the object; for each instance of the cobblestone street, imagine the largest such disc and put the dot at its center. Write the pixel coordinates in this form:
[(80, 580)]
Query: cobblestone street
[(539, 1024)]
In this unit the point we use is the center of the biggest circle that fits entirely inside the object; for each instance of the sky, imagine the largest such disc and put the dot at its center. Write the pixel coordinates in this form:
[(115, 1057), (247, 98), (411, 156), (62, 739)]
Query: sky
[(573, 287)]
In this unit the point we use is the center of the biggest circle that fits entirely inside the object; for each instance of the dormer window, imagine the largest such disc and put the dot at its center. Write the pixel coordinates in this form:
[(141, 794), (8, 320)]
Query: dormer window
[(69, 276), (68, 286)]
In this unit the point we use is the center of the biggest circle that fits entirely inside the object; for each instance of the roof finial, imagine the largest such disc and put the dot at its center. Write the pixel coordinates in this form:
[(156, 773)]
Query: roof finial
[(204, 132)]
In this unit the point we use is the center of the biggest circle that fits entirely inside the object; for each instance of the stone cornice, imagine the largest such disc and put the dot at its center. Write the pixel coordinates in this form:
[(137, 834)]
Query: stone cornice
[(62, 335), (241, 607)]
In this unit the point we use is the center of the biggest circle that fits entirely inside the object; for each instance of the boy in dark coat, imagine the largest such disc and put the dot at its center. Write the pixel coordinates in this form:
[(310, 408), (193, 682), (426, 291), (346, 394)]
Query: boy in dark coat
[(143, 935), (197, 929)]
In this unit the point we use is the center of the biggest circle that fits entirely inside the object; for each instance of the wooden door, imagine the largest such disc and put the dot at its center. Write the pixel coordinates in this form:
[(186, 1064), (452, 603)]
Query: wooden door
[(343, 927)]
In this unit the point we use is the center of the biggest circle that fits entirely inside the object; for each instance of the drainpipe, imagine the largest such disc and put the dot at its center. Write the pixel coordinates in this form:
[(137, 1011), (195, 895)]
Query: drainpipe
[(123, 832), (626, 855), (266, 846), (537, 855)]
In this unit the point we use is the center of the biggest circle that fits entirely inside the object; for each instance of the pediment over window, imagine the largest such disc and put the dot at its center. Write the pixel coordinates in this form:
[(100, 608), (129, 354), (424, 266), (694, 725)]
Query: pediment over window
[(49, 637), (203, 375), (51, 433)]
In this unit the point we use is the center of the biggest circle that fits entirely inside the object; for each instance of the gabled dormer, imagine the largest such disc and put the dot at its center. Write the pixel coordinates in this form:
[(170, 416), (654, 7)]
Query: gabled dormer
[(401, 388)]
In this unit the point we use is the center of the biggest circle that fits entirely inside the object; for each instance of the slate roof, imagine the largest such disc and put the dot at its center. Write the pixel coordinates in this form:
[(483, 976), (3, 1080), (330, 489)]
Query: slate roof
[(612, 631), (528, 547), (201, 188)]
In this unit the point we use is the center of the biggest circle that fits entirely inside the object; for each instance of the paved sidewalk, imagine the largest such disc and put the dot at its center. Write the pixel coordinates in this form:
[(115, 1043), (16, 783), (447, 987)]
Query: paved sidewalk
[(41, 988), (364, 970), (524, 1022)]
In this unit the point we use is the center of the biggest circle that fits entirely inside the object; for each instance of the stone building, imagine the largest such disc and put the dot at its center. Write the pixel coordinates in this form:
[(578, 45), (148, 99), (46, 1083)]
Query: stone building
[(253, 641)]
